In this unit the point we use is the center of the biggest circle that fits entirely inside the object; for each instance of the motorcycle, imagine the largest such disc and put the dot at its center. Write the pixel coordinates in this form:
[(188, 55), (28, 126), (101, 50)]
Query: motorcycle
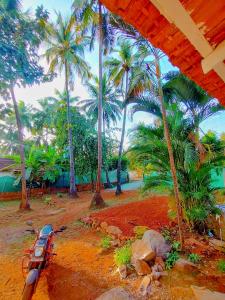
[(38, 257)]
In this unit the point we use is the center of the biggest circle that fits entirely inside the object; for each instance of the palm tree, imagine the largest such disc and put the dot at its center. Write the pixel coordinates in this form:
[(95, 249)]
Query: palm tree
[(66, 51), (111, 107), (123, 69), (94, 18)]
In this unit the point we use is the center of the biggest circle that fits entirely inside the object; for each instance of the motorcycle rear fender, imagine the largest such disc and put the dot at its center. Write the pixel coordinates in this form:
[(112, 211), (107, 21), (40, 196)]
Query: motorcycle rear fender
[(32, 276)]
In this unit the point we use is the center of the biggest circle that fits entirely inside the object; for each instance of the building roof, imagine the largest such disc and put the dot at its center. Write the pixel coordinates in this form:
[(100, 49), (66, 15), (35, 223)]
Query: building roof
[(190, 32), (6, 164)]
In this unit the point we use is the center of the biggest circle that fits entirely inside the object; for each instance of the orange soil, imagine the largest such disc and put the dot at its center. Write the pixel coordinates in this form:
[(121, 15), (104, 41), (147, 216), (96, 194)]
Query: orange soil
[(151, 213), (80, 271)]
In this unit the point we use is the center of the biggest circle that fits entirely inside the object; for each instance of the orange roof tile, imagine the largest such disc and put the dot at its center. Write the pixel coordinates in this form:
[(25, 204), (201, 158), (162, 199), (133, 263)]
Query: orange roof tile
[(208, 15)]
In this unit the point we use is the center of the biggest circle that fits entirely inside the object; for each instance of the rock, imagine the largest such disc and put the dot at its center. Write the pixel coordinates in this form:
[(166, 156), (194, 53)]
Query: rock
[(103, 225), (123, 271), (117, 293), (145, 286), (87, 220), (185, 265), (159, 261), (217, 244), (157, 268), (141, 251), (113, 230), (141, 267), (157, 243), (201, 293), (156, 275), (115, 243)]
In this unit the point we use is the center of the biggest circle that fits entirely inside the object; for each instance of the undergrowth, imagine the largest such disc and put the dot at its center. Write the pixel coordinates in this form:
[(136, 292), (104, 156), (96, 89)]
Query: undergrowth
[(122, 256), (221, 265)]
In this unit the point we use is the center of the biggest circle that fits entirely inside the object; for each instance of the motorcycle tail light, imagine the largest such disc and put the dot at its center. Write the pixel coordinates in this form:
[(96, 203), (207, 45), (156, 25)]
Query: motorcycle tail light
[(38, 251)]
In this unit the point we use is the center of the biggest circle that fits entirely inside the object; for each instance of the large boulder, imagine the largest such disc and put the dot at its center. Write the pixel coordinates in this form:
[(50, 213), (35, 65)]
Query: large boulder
[(141, 267), (184, 265), (156, 242), (201, 293), (141, 251), (117, 293)]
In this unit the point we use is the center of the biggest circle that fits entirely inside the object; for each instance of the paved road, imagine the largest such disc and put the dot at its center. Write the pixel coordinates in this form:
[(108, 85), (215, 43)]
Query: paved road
[(134, 185)]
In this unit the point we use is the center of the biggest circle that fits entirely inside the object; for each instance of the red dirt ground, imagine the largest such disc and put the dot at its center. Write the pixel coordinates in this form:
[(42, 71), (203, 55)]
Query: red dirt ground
[(151, 213)]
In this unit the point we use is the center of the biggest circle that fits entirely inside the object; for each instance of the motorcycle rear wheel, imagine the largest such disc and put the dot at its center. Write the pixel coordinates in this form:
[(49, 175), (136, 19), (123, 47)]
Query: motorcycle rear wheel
[(28, 291)]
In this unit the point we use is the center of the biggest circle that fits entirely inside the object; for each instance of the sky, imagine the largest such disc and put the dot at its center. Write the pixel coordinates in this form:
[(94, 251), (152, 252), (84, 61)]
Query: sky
[(30, 95)]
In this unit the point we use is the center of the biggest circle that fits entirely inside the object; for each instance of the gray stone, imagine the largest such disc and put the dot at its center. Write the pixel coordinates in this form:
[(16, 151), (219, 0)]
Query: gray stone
[(157, 243), (117, 293)]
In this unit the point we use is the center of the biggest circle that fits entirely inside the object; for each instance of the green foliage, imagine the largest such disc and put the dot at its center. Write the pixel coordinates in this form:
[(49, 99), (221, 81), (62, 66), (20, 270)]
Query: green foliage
[(122, 255), (166, 234), (194, 258), (106, 242), (171, 260), (194, 177), (176, 246), (48, 200), (113, 161), (221, 265), (139, 231)]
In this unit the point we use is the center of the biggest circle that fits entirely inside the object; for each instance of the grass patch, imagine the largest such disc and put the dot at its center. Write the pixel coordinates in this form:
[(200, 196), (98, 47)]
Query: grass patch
[(194, 258), (122, 256), (171, 260), (106, 242), (221, 265)]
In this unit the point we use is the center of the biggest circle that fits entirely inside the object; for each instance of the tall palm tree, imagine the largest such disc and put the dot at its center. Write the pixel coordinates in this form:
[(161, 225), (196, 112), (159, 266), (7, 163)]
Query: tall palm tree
[(123, 69), (66, 52), (111, 105), (94, 19)]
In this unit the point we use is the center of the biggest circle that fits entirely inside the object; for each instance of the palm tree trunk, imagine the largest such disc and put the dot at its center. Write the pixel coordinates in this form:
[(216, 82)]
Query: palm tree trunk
[(97, 199), (24, 201), (73, 189), (170, 151), (118, 186), (108, 183)]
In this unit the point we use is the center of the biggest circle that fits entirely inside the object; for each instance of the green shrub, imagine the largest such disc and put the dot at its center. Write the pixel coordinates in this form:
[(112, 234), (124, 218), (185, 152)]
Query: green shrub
[(176, 246), (122, 256), (194, 258), (106, 242), (171, 260), (197, 213), (47, 200), (166, 234), (221, 265)]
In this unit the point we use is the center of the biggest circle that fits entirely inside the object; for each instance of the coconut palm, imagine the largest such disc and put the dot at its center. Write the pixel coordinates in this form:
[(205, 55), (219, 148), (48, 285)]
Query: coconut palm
[(66, 52), (111, 105), (94, 18), (123, 69)]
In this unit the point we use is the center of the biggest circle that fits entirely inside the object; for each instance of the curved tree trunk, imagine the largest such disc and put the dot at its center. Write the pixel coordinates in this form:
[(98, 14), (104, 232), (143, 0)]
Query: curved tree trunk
[(24, 201), (73, 189), (118, 186), (170, 151), (97, 199)]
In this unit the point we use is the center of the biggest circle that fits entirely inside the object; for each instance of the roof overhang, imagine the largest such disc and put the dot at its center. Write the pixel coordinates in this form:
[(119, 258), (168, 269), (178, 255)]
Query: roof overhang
[(190, 32)]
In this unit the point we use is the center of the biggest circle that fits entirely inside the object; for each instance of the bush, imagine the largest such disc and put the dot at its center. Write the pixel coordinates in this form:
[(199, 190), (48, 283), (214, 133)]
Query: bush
[(171, 260), (194, 258), (221, 265), (176, 246), (106, 242), (113, 162), (122, 255)]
